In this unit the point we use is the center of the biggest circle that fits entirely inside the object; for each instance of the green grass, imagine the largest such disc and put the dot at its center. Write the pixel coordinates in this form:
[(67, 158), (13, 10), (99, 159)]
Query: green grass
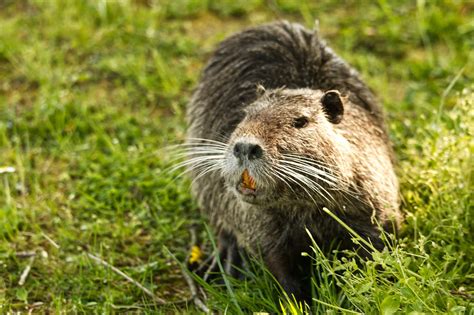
[(90, 91)]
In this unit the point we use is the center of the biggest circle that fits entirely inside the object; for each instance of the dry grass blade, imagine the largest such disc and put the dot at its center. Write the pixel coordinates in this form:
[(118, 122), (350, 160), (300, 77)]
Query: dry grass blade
[(127, 277), (26, 271)]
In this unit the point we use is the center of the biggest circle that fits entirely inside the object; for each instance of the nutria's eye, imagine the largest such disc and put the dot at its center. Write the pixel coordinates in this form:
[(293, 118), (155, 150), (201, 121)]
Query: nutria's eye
[(300, 122)]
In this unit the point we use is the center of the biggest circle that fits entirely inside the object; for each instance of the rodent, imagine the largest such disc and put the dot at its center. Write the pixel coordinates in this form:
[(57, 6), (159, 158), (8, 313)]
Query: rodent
[(280, 127)]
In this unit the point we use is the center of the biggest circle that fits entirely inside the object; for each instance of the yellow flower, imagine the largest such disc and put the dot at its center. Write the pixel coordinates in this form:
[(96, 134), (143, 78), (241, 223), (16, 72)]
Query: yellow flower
[(196, 255)]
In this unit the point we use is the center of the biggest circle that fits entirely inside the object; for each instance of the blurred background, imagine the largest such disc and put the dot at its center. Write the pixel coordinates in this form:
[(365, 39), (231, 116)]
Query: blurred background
[(90, 91)]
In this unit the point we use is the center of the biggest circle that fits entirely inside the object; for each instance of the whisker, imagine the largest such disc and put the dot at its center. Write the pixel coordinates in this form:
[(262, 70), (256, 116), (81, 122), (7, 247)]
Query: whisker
[(280, 177), (310, 182), (339, 182), (324, 165), (300, 181), (208, 169), (198, 152), (207, 140), (319, 188), (291, 177), (333, 174), (196, 168), (195, 161), (202, 149), (330, 180), (197, 145), (198, 159)]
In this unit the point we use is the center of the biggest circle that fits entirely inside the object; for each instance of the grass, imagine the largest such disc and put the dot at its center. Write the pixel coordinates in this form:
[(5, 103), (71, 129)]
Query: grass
[(91, 90)]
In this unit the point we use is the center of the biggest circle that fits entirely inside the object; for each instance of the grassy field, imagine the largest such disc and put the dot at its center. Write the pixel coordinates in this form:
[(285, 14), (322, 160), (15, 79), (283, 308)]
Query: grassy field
[(90, 91)]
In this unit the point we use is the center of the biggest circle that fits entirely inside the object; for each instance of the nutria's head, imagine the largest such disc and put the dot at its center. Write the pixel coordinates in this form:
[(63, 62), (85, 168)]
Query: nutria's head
[(286, 149)]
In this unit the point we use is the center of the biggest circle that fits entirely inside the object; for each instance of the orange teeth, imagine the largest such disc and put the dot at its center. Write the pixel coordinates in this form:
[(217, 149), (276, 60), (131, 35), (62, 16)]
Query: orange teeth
[(248, 181)]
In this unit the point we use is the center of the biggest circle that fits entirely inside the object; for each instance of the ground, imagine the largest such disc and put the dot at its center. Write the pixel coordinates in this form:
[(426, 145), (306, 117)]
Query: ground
[(92, 91)]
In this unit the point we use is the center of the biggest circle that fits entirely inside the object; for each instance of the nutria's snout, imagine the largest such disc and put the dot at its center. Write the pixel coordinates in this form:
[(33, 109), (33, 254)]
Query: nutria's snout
[(245, 169), (247, 151)]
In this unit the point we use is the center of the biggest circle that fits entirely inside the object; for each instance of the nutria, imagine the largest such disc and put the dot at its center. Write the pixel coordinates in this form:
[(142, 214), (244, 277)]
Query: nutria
[(280, 127)]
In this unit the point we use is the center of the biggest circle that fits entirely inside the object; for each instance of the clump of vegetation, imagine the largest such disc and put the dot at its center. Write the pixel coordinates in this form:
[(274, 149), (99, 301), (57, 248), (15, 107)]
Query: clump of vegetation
[(91, 90)]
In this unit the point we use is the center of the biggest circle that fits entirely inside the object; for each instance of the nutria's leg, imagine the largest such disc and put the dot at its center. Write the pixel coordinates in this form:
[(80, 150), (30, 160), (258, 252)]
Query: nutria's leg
[(230, 255), (290, 271), (234, 261)]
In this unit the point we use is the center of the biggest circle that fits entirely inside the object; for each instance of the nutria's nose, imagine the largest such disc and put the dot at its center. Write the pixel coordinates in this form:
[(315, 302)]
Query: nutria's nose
[(247, 150)]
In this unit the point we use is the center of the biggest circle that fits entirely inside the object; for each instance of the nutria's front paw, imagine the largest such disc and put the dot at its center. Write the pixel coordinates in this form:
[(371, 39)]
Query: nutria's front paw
[(230, 256), (293, 288), (292, 272)]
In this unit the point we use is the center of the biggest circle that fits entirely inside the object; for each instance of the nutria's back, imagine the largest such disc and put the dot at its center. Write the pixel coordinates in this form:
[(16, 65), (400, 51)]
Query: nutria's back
[(275, 55), (280, 128)]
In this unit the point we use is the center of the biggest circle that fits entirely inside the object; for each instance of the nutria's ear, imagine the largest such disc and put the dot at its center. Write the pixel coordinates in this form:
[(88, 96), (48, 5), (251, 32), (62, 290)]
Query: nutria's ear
[(332, 106), (260, 90)]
